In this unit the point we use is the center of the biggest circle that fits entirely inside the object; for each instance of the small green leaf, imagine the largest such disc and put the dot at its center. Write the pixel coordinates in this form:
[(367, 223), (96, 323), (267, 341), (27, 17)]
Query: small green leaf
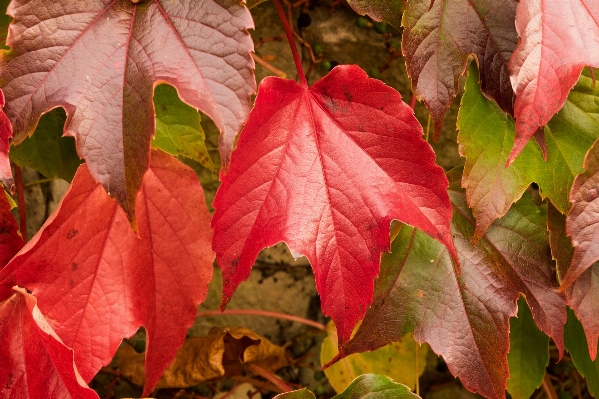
[(528, 356), (373, 386), (576, 343), (299, 394), (178, 129), (403, 361), (46, 150), (486, 136)]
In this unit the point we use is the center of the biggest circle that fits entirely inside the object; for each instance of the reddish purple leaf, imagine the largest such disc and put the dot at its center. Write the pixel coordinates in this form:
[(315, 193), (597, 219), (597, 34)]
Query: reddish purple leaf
[(557, 39), (100, 61), (583, 220), (439, 36), (97, 281), (10, 240), (326, 169), (465, 316), (35, 363), (583, 295), (5, 136)]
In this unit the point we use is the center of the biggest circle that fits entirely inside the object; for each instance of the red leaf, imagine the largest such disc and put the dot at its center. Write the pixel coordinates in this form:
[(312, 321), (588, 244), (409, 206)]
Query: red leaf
[(97, 281), (326, 169), (5, 136), (10, 240), (35, 363), (583, 295), (583, 220), (465, 316), (100, 60), (439, 36), (557, 39)]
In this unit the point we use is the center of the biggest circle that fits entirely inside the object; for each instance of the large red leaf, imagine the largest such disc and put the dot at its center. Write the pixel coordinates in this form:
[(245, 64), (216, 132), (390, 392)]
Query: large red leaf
[(10, 240), (465, 316), (100, 61), (97, 281), (5, 136), (35, 363), (439, 36), (583, 295), (326, 169), (557, 39), (583, 220)]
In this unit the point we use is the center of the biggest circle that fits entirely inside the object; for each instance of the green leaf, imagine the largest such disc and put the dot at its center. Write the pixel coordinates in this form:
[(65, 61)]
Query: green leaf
[(576, 344), (178, 129), (46, 150), (403, 361), (373, 386), (299, 394), (528, 356), (486, 136), (11, 201)]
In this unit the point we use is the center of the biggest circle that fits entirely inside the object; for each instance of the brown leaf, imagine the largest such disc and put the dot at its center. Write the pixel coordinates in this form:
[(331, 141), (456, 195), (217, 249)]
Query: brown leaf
[(223, 352)]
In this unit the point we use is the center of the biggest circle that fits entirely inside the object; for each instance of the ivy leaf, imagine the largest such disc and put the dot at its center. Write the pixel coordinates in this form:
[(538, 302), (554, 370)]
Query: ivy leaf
[(326, 169), (35, 363), (10, 240), (583, 220), (5, 136), (439, 36), (97, 280), (178, 129), (465, 317), (576, 344), (557, 39), (47, 151), (583, 295), (486, 135), (299, 394), (528, 356), (402, 361), (376, 387), (101, 62), (388, 11)]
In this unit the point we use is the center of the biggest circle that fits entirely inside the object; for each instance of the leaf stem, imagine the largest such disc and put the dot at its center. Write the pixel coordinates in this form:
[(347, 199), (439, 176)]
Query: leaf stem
[(277, 381), (21, 198), (266, 313), (269, 67), (289, 33)]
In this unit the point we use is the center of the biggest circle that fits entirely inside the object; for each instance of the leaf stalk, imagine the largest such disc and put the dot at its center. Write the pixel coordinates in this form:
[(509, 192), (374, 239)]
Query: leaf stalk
[(289, 33)]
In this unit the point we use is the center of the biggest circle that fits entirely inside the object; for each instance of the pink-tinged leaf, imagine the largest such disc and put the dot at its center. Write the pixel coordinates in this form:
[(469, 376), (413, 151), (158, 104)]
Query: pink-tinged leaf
[(583, 220), (100, 61), (583, 295), (5, 136), (35, 363), (10, 240), (326, 169), (97, 281), (439, 36), (557, 40), (465, 316)]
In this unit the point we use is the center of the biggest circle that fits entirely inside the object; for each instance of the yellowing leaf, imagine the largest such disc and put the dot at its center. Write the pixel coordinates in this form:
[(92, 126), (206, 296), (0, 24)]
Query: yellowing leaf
[(403, 361)]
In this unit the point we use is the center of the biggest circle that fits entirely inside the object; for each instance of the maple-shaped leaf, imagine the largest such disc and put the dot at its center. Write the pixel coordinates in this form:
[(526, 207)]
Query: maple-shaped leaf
[(5, 136), (486, 136), (557, 39), (388, 11), (583, 220), (10, 240), (35, 363), (465, 316), (326, 169), (583, 294), (439, 36), (100, 61), (97, 280)]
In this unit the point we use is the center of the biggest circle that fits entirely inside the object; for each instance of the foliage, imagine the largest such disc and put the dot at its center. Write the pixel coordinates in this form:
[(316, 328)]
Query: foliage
[(477, 269)]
